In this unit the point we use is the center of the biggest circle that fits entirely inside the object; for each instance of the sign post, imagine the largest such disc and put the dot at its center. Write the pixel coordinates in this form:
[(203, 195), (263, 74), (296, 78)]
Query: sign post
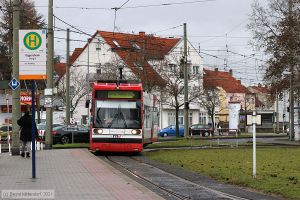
[(254, 120), (32, 63), (254, 143)]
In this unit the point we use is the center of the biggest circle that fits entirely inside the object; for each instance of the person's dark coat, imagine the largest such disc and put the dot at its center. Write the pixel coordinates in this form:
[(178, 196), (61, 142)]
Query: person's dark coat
[(25, 123)]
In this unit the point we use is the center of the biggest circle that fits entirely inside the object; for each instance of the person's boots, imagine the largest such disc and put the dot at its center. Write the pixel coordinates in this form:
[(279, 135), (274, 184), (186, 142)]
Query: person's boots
[(27, 155), (23, 154)]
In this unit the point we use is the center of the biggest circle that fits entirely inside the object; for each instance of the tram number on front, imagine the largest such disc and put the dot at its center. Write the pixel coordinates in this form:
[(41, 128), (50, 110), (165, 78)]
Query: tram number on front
[(117, 136)]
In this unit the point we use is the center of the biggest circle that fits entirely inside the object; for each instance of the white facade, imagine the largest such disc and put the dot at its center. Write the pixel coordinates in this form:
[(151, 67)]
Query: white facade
[(196, 72), (98, 56)]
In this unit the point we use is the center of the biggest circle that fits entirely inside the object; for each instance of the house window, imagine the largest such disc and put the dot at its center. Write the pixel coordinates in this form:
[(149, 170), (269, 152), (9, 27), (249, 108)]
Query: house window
[(202, 118), (195, 69), (181, 90), (180, 117), (98, 46), (171, 118), (172, 67), (190, 119), (98, 70)]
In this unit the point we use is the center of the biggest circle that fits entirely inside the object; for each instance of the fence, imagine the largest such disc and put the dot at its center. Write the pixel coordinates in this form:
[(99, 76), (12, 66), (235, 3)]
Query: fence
[(5, 144)]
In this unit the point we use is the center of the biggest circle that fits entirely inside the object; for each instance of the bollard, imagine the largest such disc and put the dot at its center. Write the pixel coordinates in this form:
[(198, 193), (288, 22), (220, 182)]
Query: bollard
[(9, 145)]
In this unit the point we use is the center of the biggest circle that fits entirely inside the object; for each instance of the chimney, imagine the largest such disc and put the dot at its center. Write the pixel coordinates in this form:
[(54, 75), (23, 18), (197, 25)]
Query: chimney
[(216, 69), (142, 34), (259, 85), (230, 72)]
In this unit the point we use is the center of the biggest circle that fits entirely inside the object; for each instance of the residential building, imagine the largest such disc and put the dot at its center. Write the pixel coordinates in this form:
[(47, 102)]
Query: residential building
[(230, 90), (135, 56)]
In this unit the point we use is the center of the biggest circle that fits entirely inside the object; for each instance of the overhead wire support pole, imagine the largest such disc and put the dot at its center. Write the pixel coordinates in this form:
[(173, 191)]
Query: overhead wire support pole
[(185, 74), (16, 109), (68, 79), (88, 81), (50, 63), (291, 128)]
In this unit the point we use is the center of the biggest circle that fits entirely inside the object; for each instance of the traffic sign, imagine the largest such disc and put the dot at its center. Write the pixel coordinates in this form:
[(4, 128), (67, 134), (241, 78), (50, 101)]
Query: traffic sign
[(32, 52), (14, 84)]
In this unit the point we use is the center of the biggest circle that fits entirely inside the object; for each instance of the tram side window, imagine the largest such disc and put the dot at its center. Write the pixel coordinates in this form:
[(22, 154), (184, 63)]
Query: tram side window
[(147, 118)]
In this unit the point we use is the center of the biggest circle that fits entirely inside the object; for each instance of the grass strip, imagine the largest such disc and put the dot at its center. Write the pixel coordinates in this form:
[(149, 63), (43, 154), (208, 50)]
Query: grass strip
[(69, 146), (277, 168)]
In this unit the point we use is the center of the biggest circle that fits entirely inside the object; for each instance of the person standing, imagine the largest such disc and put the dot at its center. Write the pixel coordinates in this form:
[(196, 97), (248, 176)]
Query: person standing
[(25, 124)]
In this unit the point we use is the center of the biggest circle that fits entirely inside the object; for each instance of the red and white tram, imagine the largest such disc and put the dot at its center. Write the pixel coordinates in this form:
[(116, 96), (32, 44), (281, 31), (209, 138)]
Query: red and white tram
[(123, 117)]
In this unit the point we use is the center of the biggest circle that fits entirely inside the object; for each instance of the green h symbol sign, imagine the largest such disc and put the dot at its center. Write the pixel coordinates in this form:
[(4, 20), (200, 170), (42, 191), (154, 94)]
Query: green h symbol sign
[(32, 39)]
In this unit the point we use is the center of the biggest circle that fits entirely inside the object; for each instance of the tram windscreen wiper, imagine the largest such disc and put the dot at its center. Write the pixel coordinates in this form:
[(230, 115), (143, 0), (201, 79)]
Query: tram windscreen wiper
[(118, 115), (98, 118)]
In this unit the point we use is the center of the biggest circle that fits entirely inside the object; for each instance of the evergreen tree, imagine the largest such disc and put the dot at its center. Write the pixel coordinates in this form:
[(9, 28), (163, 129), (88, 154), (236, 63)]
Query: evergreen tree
[(29, 19)]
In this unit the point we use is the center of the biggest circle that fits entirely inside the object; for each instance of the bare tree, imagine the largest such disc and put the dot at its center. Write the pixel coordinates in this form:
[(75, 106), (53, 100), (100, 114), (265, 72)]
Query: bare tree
[(173, 95), (78, 90), (276, 31), (210, 100)]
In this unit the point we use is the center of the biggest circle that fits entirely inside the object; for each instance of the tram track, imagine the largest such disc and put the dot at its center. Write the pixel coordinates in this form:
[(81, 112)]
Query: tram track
[(173, 187), (174, 194)]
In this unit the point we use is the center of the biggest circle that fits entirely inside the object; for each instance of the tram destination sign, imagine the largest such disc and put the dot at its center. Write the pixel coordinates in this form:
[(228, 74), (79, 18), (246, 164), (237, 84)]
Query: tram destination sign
[(118, 94), (32, 54)]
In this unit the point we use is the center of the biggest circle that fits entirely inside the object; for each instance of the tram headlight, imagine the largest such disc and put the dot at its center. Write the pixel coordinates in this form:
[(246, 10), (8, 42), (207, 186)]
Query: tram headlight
[(136, 132), (97, 131)]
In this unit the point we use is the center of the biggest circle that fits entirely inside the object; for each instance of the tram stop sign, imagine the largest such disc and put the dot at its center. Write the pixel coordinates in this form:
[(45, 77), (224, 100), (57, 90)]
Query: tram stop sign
[(32, 52)]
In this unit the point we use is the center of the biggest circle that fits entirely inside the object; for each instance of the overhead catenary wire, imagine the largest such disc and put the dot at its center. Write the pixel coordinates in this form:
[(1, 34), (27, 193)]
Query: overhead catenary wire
[(207, 54), (130, 7)]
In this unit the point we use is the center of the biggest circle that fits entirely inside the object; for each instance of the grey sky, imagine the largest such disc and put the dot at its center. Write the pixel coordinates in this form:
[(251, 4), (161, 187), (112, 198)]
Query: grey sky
[(208, 22)]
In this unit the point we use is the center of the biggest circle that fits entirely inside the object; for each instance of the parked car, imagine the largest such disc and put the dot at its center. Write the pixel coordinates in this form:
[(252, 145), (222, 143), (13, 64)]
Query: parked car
[(42, 129), (63, 134), (171, 131), (201, 129)]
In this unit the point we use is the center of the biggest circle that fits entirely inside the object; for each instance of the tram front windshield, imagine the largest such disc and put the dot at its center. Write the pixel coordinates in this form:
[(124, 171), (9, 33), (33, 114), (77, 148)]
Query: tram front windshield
[(117, 114)]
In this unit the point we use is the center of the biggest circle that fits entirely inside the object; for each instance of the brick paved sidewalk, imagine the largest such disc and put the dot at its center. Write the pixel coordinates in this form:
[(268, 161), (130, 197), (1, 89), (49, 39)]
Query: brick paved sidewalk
[(72, 174)]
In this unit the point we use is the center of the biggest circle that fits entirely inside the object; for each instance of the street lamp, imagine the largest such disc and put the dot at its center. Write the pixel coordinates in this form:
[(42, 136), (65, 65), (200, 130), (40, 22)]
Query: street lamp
[(291, 107)]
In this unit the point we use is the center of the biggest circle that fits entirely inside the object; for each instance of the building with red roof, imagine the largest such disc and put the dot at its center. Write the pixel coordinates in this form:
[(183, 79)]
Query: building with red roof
[(231, 88), (137, 56)]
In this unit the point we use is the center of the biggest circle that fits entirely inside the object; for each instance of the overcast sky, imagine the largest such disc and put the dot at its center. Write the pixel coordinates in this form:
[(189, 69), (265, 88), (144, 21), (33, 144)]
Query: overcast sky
[(208, 24)]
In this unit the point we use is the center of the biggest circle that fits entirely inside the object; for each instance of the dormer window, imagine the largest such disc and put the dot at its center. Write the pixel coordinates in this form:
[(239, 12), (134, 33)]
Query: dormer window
[(138, 65), (136, 46), (116, 43)]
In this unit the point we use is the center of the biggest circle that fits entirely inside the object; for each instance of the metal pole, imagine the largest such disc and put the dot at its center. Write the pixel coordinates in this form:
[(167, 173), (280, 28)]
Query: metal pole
[(33, 126), (291, 109), (49, 114), (283, 111), (290, 4), (277, 114), (160, 110), (16, 109), (88, 81), (8, 133), (68, 79), (254, 143), (185, 73)]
